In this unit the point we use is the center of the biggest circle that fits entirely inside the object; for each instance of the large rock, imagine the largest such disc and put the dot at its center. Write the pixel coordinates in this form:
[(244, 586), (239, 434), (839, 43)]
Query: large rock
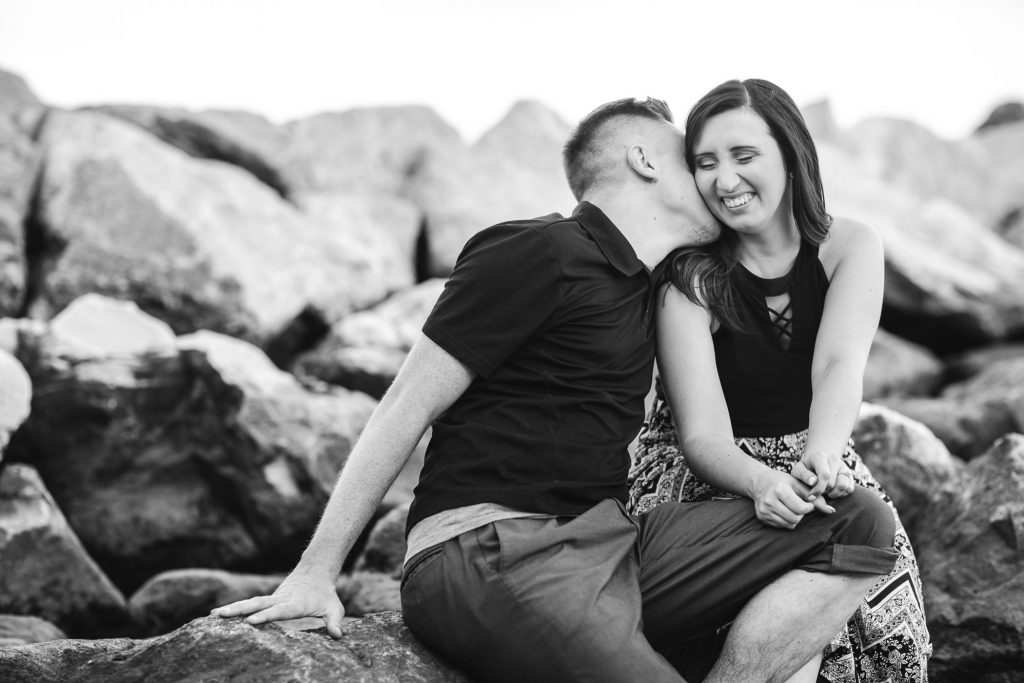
[(371, 150), (971, 549), (950, 282), (242, 139), (907, 459), (969, 363), (173, 598), (375, 649), (44, 570), (204, 456), (970, 415), (385, 548), (19, 630), (1002, 147), (365, 350), (513, 172), (1007, 112), (15, 397), (19, 165), (906, 155), (899, 368), (56, 660), (15, 94), (200, 244)]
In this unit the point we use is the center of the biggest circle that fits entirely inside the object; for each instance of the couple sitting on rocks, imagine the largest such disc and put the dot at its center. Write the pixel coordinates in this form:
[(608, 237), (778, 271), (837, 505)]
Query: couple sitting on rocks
[(535, 552)]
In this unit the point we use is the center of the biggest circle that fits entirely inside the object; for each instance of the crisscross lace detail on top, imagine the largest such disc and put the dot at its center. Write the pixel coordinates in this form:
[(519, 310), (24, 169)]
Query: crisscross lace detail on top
[(782, 323)]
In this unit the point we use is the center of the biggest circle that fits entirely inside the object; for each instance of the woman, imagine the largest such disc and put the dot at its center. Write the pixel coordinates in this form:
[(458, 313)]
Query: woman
[(762, 342)]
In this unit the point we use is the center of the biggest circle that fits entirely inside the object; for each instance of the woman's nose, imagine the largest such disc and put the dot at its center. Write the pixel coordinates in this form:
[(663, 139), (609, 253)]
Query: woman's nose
[(726, 180)]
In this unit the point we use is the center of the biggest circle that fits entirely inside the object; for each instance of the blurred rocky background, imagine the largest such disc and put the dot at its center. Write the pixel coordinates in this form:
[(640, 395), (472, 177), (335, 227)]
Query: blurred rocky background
[(199, 311)]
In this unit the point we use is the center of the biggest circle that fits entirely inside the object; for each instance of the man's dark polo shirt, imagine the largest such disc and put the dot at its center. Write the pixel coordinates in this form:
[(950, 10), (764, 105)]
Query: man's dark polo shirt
[(549, 313)]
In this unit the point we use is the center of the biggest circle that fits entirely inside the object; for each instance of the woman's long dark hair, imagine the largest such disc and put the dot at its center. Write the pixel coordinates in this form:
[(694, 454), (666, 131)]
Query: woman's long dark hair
[(703, 273)]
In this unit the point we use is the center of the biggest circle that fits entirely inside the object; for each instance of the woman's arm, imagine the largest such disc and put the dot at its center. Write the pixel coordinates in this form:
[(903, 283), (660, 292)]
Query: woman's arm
[(853, 306), (686, 360)]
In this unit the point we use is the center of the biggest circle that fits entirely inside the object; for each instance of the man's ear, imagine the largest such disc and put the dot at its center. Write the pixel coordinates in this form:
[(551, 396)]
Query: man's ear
[(640, 161)]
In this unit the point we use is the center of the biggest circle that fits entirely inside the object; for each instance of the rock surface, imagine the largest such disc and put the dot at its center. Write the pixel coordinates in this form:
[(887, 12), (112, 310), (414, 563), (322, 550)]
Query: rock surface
[(951, 283), (971, 549), (899, 368), (44, 570), (20, 630), (376, 649), (908, 461), (173, 598), (385, 549), (19, 165), (970, 415), (364, 351), (197, 243), (15, 397), (206, 456)]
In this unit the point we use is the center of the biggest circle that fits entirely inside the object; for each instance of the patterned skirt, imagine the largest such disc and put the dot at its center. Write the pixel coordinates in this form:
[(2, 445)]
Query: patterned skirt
[(886, 640)]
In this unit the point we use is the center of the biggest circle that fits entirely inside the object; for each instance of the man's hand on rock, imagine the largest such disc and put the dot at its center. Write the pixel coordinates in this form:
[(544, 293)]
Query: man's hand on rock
[(299, 595)]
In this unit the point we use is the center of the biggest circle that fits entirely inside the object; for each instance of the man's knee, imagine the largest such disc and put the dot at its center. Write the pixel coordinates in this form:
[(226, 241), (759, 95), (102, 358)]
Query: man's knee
[(869, 520)]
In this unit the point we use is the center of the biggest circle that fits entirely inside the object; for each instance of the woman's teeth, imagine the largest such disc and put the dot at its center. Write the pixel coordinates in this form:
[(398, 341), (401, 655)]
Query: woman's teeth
[(738, 201)]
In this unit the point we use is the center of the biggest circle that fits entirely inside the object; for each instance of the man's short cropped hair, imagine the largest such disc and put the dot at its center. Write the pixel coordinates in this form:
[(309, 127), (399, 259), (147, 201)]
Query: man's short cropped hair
[(581, 155)]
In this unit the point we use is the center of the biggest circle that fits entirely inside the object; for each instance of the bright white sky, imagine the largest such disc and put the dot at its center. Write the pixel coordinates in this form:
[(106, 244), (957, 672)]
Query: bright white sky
[(942, 63)]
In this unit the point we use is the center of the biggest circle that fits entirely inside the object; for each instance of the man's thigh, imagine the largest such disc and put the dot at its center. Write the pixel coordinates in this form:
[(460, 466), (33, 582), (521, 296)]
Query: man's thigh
[(701, 562), (537, 599)]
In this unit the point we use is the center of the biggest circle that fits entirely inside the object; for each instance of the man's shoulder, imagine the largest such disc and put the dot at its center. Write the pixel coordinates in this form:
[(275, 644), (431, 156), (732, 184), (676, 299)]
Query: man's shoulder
[(552, 230)]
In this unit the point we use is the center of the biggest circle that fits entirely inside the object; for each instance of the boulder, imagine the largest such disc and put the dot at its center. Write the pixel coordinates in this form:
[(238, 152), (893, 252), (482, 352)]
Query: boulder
[(44, 570), (1001, 147), (364, 351), (513, 172), (385, 548), (908, 156), (15, 94), (375, 649), (94, 325), (20, 630), (821, 121), (241, 139), (19, 166), (205, 456), (971, 549), (908, 460), (1007, 112), (56, 660), (970, 415), (387, 226), (900, 368), (969, 363), (15, 398), (199, 244), (951, 283), (365, 151), (173, 598)]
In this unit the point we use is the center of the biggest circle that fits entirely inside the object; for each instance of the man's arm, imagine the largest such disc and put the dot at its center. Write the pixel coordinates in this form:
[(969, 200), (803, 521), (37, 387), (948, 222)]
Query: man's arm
[(429, 381)]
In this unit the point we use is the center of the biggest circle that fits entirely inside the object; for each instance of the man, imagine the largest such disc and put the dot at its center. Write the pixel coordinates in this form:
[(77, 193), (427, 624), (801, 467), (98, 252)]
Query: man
[(532, 369)]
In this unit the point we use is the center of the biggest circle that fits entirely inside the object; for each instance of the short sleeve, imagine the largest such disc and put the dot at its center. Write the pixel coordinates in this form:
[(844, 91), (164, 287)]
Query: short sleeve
[(504, 288)]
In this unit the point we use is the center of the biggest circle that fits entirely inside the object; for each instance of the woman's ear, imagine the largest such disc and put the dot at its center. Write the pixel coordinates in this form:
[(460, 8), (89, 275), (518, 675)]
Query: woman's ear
[(640, 161)]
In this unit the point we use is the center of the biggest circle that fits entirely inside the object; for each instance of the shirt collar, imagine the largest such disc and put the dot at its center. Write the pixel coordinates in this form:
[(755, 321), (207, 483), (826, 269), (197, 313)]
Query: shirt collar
[(612, 243)]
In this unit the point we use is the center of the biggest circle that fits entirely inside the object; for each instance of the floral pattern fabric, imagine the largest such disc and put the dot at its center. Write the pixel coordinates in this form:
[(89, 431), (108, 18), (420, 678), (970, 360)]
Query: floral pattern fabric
[(886, 640)]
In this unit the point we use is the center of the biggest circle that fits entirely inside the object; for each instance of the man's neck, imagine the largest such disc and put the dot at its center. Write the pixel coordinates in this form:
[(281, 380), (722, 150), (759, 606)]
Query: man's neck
[(637, 222)]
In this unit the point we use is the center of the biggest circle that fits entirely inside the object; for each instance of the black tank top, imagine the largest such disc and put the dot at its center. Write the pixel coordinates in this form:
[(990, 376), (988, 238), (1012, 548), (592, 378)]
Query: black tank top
[(766, 369)]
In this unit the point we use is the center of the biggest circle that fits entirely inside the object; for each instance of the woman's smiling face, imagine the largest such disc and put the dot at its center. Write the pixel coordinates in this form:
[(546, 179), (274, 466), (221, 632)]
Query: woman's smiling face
[(740, 172)]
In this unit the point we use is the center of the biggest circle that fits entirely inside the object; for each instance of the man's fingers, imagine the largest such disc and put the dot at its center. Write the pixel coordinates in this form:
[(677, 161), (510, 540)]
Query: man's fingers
[(333, 620), (237, 609), (278, 612), (821, 506)]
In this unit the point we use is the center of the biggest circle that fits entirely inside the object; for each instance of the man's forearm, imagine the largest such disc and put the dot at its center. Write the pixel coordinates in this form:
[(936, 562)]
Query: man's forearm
[(374, 463), (429, 382)]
